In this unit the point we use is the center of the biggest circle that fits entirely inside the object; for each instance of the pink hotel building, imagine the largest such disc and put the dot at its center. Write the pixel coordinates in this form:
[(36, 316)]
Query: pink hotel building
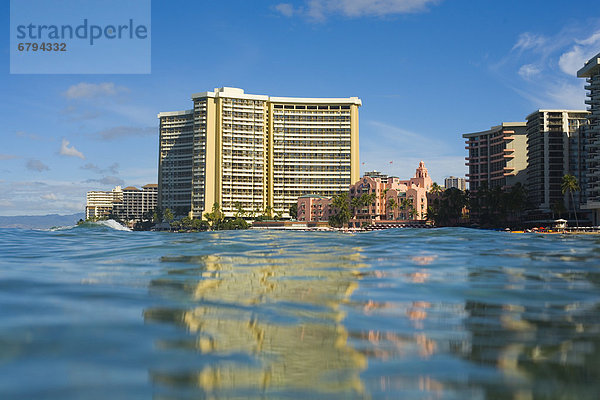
[(313, 207), (411, 192)]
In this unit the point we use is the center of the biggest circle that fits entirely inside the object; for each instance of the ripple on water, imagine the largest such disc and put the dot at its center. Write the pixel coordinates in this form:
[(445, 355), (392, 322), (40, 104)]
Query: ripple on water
[(403, 313)]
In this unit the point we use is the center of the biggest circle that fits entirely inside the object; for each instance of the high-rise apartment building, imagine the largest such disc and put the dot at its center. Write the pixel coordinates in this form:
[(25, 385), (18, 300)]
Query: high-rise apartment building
[(175, 160), (256, 152), (454, 182), (591, 71), (128, 203), (553, 150), (137, 203), (100, 204), (497, 157)]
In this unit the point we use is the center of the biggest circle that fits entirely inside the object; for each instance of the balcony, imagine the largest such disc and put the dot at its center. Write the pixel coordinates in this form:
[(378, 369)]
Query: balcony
[(509, 150)]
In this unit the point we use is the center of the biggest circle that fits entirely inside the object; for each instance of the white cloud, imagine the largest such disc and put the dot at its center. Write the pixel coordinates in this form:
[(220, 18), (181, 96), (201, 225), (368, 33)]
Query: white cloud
[(542, 69), (594, 39), (566, 95), (285, 9), (112, 169), (86, 90), (529, 71), (90, 167), (7, 157), (108, 180), (572, 60), (65, 150), (35, 198), (321, 9), (37, 165), (530, 41), (6, 203)]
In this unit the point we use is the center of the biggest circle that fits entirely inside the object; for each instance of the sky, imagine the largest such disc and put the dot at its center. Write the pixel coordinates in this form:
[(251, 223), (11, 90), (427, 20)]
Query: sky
[(427, 71)]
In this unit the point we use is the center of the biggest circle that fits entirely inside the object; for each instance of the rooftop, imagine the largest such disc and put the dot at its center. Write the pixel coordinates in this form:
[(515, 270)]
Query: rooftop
[(237, 93), (174, 113), (591, 67), (496, 128)]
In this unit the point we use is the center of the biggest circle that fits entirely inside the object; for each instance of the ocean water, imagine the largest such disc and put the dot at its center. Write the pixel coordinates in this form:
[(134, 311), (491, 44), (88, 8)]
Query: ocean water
[(97, 313)]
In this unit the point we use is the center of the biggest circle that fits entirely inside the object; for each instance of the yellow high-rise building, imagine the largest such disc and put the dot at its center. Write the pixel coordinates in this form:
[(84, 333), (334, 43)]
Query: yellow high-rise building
[(254, 152)]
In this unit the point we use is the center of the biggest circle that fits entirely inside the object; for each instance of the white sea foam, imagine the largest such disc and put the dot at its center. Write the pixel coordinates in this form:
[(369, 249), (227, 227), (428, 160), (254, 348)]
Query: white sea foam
[(111, 223), (58, 228)]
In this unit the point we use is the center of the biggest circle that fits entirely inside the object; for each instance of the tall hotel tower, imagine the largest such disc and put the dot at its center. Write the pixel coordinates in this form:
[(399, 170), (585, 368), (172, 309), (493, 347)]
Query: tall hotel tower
[(255, 152), (498, 156), (554, 148), (591, 71)]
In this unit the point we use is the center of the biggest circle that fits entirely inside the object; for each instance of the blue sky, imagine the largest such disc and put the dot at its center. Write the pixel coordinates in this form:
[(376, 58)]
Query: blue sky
[(426, 70)]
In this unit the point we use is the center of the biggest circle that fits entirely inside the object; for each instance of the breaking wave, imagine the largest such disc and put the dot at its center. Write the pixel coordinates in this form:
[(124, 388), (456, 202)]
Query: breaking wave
[(110, 223)]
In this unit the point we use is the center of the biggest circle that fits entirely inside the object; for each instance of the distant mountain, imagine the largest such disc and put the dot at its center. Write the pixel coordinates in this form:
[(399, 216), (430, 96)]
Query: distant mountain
[(40, 221)]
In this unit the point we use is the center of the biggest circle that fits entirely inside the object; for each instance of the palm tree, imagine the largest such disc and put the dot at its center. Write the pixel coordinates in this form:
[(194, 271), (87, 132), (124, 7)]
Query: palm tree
[(341, 207), (432, 214), (239, 210), (391, 204), (436, 189), (382, 197), (412, 212), (215, 217), (406, 204), (168, 215), (355, 204), (569, 184)]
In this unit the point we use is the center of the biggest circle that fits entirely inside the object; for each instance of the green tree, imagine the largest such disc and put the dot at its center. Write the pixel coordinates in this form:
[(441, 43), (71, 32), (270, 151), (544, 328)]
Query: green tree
[(186, 223), (176, 225), (570, 184), (294, 211), (215, 217), (168, 215), (392, 204), (157, 215), (412, 213), (341, 210), (268, 212), (406, 204), (432, 213), (448, 208), (436, 189), (239, 210), (199, 225), (355, 205)]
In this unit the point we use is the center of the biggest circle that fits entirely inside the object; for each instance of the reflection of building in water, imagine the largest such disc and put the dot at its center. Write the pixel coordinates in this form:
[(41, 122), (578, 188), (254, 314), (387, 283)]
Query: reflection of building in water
[(549, 350), (263, 325)]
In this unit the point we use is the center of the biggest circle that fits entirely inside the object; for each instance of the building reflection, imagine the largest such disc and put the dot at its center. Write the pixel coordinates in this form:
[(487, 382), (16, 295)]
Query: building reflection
[(540, 350), (261, 324)]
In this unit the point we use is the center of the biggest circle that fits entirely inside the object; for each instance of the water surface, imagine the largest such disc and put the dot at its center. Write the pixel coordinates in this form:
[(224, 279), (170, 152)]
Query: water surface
[(96, 313)]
